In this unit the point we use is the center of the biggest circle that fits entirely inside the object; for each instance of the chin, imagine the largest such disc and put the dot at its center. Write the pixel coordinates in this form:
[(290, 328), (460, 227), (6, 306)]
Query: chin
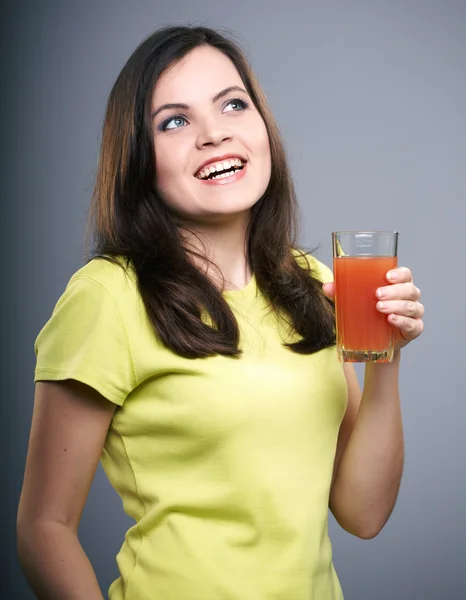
[(231, 209), (214, 207)]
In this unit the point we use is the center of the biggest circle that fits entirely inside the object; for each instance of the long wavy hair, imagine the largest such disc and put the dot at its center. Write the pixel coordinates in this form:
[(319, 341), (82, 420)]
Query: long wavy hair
[(129, 220)]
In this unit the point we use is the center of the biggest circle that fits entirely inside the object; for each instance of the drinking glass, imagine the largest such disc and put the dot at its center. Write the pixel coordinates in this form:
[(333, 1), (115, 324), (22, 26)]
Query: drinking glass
[(361, 260)]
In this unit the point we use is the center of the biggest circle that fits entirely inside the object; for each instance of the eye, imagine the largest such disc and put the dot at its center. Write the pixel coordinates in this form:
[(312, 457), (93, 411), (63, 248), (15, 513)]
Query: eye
[(173, 123), (235, 104)]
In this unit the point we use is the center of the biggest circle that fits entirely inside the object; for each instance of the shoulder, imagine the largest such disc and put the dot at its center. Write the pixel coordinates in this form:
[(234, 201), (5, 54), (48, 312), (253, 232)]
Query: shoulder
[(108, 273), (101, 286), (316, 268), (115, 276)]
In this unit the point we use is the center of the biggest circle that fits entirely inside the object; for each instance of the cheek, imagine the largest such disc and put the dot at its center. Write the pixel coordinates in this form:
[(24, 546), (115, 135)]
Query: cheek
[(169, 167), (167, 179), (162, 174), (262, 139), (264, 146)]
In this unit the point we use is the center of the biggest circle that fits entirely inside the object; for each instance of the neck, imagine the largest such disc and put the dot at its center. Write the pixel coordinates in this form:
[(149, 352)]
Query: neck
[(224, 245)]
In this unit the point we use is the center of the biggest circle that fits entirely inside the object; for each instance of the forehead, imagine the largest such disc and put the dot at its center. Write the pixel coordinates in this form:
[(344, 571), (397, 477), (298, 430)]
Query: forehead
[(199, 75)]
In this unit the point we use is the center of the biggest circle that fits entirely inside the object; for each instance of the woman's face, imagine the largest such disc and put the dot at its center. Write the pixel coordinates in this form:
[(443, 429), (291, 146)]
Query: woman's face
[(211, 145)]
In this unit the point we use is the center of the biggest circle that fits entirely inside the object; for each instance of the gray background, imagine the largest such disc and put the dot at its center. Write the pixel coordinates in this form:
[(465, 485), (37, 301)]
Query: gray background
[(371, 100)]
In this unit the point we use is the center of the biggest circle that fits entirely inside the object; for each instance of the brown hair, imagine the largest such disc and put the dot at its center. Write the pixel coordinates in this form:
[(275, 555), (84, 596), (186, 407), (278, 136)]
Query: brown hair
[(130, 221)]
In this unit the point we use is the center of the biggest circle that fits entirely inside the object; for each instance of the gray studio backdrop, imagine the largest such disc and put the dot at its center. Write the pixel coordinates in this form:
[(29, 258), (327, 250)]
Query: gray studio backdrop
[(371, 98)]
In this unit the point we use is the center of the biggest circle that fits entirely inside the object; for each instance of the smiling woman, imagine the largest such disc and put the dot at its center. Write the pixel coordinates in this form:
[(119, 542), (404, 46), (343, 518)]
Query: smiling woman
[(217, 112), (194, 355), (186, 104)]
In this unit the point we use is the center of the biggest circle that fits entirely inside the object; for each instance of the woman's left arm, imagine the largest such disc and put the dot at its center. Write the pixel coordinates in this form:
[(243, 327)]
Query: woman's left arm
[(370, 452)]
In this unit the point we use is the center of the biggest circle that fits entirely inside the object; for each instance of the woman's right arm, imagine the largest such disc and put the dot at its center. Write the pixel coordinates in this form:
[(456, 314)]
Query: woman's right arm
[(69, 426)]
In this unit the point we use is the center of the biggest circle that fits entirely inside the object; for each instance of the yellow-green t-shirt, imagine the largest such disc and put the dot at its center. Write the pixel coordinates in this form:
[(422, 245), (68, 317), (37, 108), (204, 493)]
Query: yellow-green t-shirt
[(225, 464)]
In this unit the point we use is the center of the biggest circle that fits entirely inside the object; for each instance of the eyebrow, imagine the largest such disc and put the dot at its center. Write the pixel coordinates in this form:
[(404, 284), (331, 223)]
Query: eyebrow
[(180, 106)]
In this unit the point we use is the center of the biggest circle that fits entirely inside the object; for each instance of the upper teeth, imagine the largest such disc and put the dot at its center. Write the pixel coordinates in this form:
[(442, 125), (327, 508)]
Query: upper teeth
[(220, 166)]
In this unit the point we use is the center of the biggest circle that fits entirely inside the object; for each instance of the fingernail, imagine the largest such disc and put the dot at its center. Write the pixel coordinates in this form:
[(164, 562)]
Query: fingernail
[(380, 305), (379, 293), (391, 275)]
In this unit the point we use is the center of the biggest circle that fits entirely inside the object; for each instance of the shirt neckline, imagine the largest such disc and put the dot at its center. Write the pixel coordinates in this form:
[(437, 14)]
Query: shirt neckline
[(247, 290)]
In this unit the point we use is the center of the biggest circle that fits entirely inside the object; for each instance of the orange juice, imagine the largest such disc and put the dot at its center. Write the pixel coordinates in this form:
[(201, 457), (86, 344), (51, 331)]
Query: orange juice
[(362, 331)]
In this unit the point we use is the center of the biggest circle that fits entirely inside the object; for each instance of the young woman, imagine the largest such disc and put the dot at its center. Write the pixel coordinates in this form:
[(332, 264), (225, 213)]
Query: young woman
[(194, 354)]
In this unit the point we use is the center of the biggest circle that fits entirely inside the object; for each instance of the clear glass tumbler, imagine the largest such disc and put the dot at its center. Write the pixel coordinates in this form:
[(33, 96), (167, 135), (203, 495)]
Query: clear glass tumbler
[(361, 260)]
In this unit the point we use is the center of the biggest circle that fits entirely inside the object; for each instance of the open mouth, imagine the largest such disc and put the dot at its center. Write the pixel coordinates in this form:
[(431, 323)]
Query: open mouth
[(221, 170)]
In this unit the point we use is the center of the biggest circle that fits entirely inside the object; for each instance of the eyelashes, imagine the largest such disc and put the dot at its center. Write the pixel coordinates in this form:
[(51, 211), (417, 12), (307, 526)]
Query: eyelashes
[(178, 121), (241, 103), (165, 125)]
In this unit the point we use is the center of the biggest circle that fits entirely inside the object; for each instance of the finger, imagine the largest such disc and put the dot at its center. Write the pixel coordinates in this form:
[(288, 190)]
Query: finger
[(399, 291), (329, 289), (405, 308), (408, 327), (400, 275)]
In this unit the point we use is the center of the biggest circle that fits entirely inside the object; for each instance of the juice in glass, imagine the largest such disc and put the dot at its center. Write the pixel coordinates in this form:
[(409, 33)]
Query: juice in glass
[(363, 333)]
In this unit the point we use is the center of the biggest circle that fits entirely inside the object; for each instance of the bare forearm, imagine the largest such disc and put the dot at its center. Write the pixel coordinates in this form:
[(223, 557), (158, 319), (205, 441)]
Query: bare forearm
[(368, 478), (56, 565)]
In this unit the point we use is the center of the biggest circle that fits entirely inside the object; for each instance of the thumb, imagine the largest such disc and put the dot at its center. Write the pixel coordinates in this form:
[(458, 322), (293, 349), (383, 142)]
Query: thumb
[(329, 289)]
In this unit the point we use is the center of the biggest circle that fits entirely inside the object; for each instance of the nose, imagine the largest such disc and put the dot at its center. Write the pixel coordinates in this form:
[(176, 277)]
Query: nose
[(212, 133)]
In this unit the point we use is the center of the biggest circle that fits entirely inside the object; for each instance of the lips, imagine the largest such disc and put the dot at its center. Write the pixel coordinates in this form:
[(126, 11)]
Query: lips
[(224, 178), (219, 163)]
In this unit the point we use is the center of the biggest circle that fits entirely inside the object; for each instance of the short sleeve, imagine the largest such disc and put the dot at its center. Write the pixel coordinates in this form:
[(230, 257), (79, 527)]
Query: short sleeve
[(86, 339)]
